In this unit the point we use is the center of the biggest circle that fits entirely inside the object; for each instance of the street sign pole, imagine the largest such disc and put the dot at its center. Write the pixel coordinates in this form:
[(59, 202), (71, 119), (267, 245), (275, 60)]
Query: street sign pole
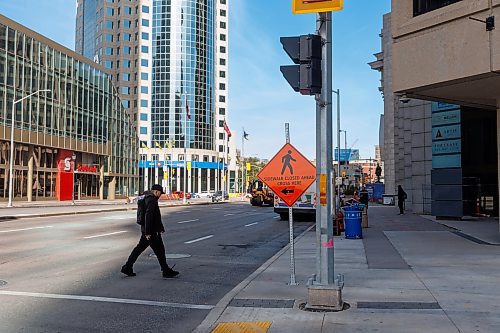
[(324, 225), (290, 220)]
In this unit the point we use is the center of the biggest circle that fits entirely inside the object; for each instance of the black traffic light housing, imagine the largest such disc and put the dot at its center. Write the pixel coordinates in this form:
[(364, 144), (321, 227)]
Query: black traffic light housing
[(306, 52)]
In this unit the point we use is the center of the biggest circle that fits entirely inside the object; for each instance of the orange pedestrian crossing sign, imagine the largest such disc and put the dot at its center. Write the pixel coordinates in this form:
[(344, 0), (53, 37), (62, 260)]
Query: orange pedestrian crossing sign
[(316, 6), (289, 174)]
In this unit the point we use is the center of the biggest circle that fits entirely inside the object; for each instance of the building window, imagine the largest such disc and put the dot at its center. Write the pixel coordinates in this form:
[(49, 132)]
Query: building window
[(126, 63), (222, 13), (127, 37), (145, 22), (222, 111), (223, 37), (145, 9), (222, 74), (108, 64), (145, 36), (109, 51), (126, 77), (127, 23), (144, 49), (110, 11), (223, 2), (144, 90), (109, 24), (222, 62), (127, 49), (144, 103), (423, 6), (125, 90), (223, 25), (222, 86), (221, 149), (126, 103), (222, 49), (127, 10), (222, 99), (109, 38), (144, 117), (221, 136), (144, 63), (144, 130), (221, 123), (144, 76)]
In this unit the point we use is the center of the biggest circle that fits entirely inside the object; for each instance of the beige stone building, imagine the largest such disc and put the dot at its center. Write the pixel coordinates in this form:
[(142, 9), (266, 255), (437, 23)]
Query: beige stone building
[(448, 51)]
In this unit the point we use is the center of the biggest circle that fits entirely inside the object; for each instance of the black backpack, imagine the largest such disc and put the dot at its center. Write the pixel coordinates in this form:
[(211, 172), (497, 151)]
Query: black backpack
[(141, 210)]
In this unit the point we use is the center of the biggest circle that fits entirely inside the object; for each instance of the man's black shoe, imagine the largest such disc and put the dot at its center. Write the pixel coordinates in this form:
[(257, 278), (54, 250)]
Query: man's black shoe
[(127, 270), (170, 273)]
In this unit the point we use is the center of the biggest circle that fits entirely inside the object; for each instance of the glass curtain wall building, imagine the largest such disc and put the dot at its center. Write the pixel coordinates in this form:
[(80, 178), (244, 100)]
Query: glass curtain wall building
[(184, 114), (73, 140)]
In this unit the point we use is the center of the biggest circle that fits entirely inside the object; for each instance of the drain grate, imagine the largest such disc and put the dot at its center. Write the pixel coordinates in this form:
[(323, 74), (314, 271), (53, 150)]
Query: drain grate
[(399, 305), (262, 303), (3, 283)]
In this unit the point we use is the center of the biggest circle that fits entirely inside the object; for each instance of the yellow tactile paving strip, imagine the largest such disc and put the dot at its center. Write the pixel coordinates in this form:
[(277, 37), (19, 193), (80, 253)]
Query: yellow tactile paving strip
[(243, 327)]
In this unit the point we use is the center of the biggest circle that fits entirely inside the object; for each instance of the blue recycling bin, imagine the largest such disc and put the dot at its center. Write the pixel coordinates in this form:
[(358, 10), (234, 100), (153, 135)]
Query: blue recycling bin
[(352, 221)]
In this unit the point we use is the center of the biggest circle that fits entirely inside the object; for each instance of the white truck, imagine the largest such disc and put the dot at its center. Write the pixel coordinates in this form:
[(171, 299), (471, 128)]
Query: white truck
[(305, 205)]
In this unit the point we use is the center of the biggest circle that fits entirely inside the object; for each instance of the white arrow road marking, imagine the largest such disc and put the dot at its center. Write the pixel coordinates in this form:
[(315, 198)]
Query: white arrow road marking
[(198, 239), (108, 299), (181, 222), (251, 224), (103, 235), (13, 230)]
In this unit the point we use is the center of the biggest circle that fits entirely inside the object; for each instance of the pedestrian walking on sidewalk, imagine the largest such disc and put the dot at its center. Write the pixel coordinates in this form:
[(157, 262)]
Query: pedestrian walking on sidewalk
[(401, 200), (149, 217)]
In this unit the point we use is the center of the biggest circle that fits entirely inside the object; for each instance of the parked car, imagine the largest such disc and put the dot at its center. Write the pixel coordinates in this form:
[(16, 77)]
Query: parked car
[(220, 196), (204, 195), (181, 194)]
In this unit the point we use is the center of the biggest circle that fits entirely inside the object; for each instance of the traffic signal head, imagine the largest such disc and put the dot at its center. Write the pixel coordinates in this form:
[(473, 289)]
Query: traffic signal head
[(306, 52)]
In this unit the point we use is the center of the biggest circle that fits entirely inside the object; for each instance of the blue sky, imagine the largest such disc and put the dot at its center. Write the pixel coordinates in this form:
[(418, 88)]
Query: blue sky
[(260, 99)]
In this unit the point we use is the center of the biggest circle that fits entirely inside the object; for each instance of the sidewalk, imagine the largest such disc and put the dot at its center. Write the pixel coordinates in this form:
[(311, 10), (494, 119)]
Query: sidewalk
[(57, 208), (408, 274)]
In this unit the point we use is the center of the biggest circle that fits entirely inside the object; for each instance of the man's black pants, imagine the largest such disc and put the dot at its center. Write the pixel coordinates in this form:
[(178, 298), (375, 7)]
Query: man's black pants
[(401, 205), (156, 244)]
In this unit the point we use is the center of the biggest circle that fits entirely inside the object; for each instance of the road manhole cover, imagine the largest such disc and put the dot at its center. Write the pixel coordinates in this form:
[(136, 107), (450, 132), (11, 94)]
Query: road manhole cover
[(2, 283), (173, 255)]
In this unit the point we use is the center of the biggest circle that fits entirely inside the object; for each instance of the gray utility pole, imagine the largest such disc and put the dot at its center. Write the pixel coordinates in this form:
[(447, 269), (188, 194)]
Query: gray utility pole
[(324, 290)]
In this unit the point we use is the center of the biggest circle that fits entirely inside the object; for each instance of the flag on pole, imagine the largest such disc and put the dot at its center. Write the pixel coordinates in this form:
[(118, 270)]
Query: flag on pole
[(188, 115), (226, 128), (245, 135), (145, 146), (157, 145)]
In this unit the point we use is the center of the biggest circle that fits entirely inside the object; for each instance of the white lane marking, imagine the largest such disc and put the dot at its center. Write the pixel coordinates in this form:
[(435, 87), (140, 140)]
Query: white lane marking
[(198, 239), (251, 224), (103, 235), (181, 222), (228, 214), (109, 300), (24, 229), (117, 217)]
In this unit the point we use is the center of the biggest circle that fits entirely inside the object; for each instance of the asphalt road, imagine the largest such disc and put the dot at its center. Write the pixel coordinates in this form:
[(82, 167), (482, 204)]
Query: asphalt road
[(62, 273)]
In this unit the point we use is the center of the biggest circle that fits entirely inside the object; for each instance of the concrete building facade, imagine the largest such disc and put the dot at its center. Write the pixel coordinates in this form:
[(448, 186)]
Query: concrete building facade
[(456, 50)]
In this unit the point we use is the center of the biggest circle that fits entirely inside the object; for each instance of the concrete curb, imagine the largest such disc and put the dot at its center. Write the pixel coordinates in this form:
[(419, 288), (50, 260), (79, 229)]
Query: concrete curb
[(208, 324), (95, 211)]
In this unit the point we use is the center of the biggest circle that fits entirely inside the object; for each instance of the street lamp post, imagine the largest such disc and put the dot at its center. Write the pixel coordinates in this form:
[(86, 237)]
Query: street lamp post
[(11, 162), (337, 92), (73, 157)]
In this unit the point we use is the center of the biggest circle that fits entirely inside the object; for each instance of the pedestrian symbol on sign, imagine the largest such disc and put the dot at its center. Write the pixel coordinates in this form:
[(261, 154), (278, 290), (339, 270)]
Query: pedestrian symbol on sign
[(286, 162)]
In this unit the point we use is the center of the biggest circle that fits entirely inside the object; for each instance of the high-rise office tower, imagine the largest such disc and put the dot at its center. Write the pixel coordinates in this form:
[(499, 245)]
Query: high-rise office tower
[(169, 59)]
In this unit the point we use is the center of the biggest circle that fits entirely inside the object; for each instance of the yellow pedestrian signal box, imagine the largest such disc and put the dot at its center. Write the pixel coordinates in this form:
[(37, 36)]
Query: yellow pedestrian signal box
[(316, 6)]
